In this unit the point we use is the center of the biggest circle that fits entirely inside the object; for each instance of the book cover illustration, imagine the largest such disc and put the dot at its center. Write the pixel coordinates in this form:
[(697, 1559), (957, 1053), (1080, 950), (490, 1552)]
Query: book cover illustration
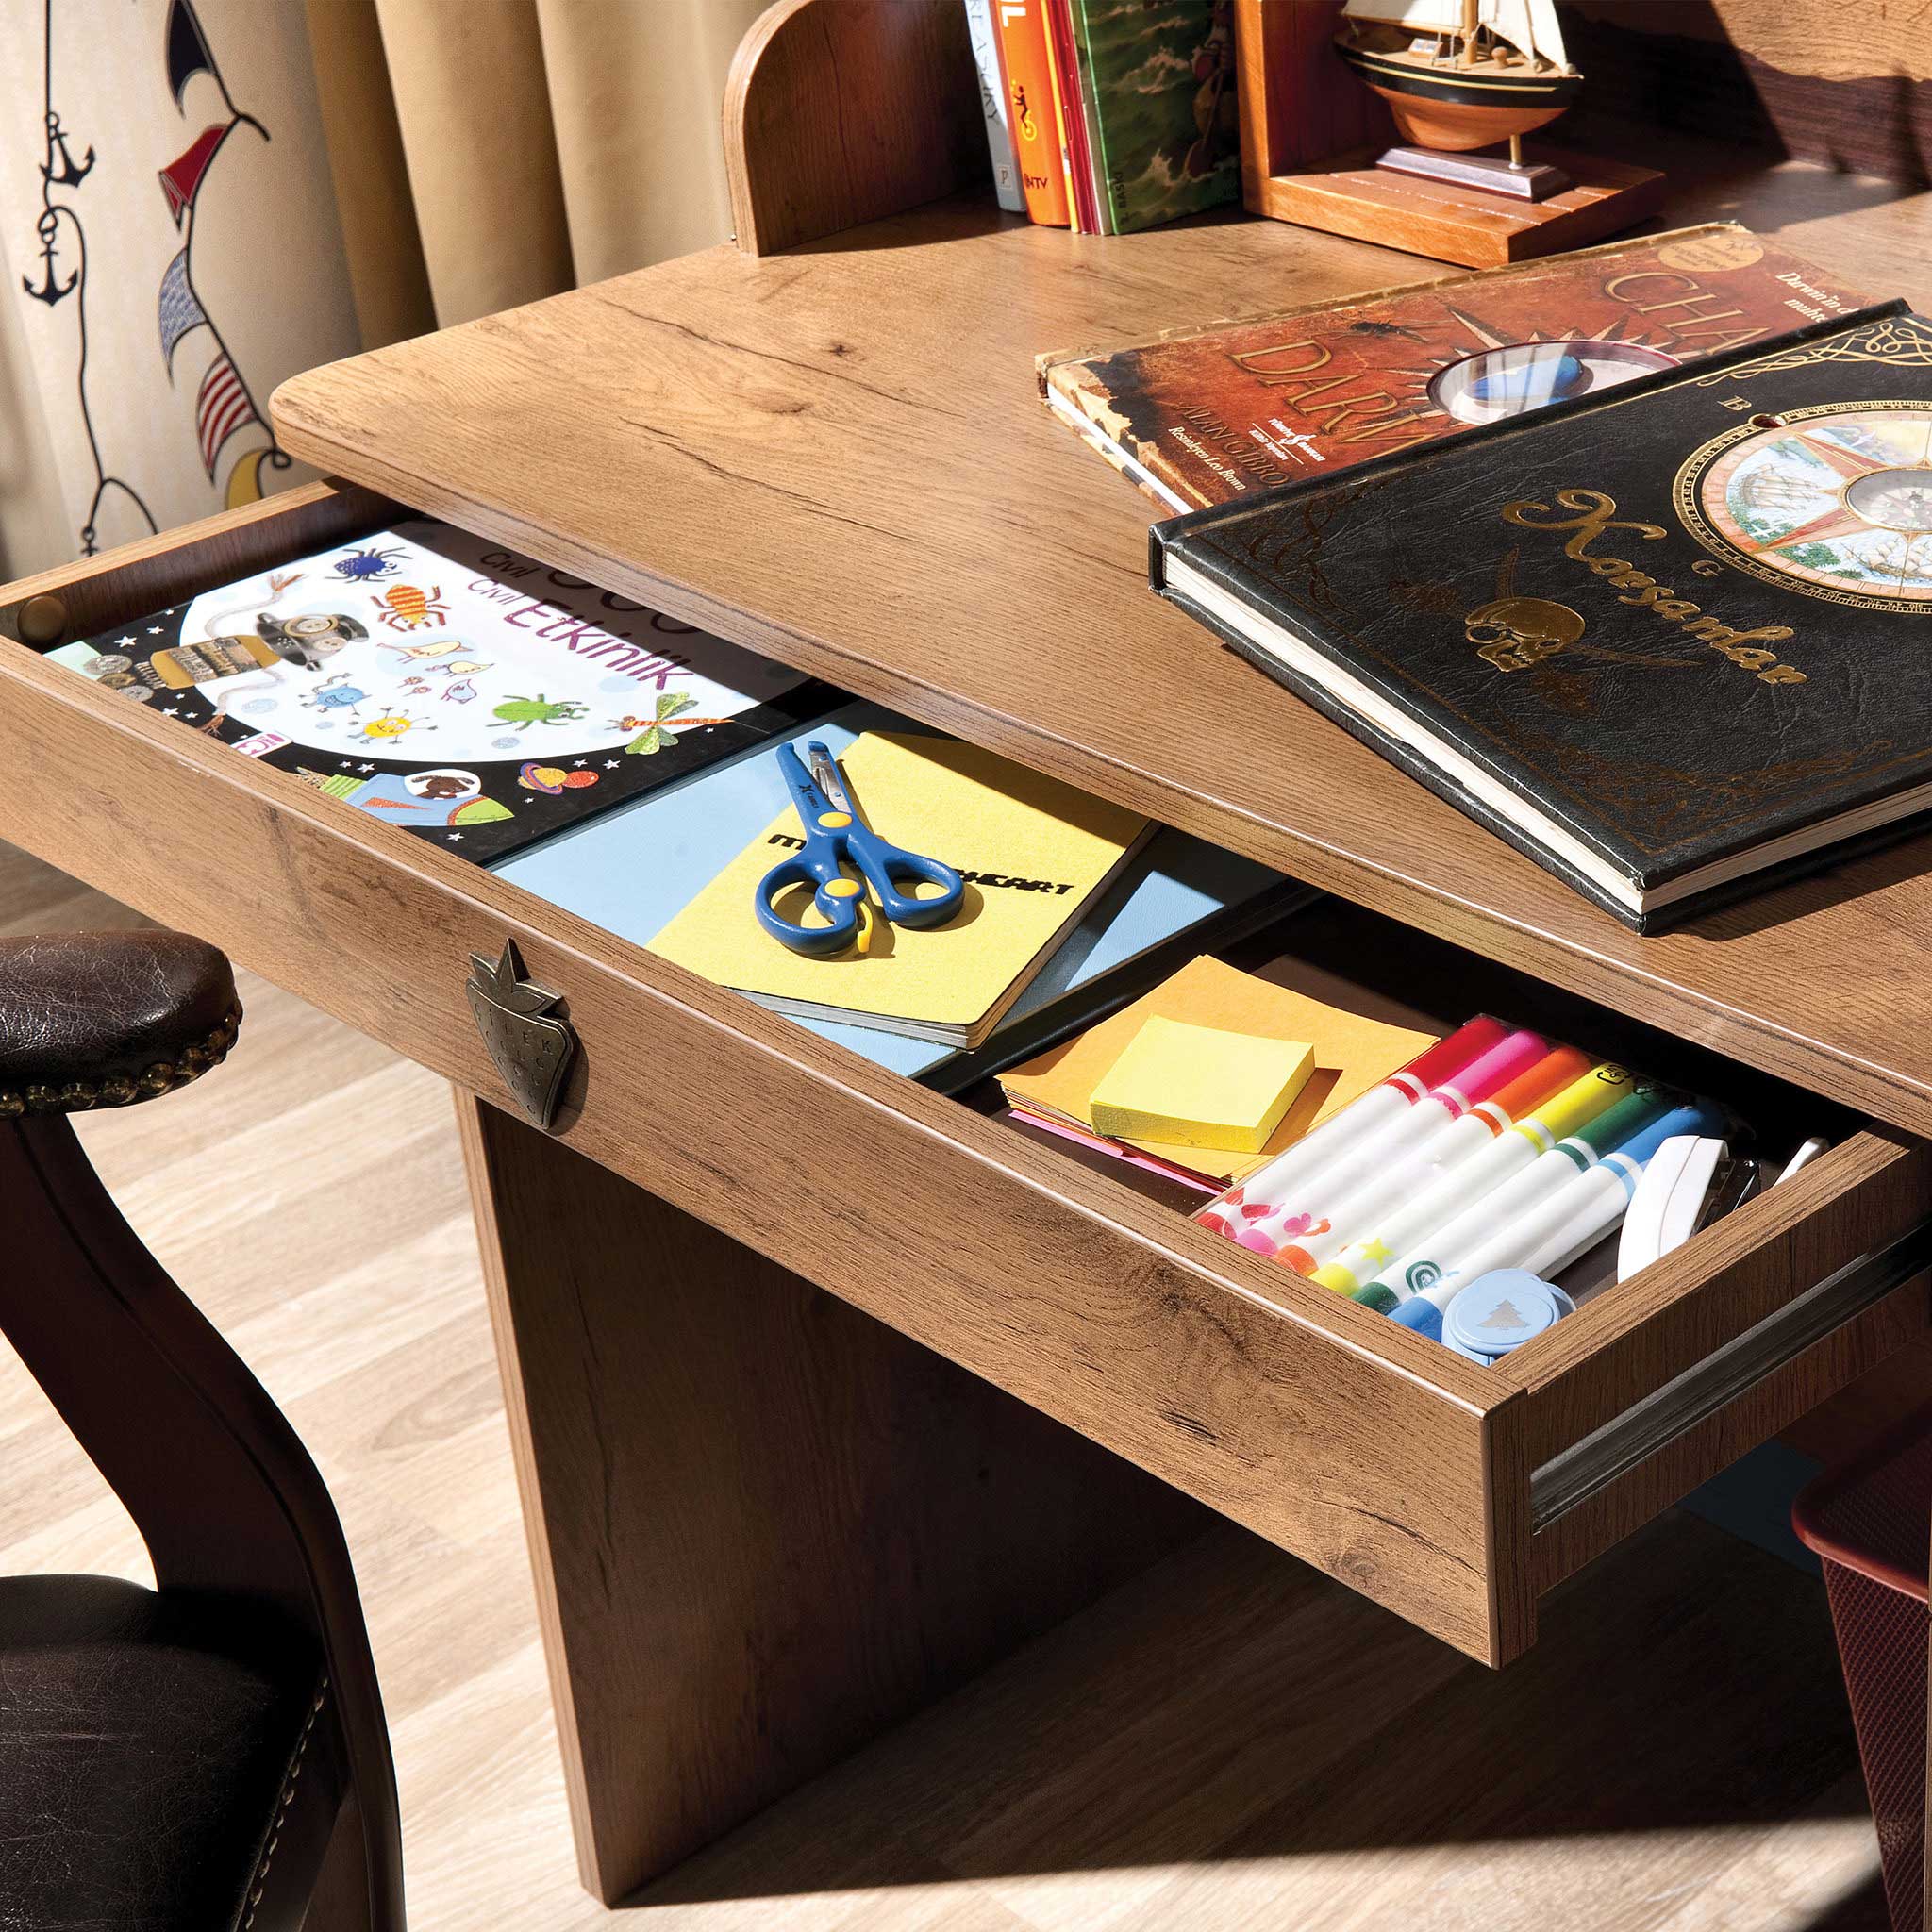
[(1208, 416), (1162, 80), (1689, 627), (431, 679)]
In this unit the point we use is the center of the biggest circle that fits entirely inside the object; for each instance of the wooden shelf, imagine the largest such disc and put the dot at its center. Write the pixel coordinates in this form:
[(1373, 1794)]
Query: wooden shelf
[(835, 456)]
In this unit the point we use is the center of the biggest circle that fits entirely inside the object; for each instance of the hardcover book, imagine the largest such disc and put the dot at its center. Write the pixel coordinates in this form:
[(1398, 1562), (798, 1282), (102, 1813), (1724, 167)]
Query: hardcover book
[(428, 678), (995, 105), (1205, 415), (1034, 116), (1673, 644), (1156, 81)]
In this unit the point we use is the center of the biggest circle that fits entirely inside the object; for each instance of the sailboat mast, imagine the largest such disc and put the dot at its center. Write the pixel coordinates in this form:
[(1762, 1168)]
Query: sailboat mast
[(1467, 57)]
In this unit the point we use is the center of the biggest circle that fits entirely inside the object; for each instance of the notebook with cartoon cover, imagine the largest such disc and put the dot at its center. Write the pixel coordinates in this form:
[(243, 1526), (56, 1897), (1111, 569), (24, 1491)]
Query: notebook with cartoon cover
[(438, 681)]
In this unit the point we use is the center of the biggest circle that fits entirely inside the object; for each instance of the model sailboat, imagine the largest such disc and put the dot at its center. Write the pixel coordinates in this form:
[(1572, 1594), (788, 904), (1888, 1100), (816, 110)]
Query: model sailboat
[(1462, 73)]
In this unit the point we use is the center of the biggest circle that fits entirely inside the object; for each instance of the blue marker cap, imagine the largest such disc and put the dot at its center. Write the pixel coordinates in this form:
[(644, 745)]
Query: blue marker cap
[(1700, 1117), (1420, 1313), (1502, 1310)]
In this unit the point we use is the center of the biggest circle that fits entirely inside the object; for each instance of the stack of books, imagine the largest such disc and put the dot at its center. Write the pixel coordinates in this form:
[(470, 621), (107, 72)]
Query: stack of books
[(1072, 905), (1107, 116)]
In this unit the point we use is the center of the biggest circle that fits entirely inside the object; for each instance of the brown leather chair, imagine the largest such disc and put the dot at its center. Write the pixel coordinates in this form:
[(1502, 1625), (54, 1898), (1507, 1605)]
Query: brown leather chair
[(210, 1753)]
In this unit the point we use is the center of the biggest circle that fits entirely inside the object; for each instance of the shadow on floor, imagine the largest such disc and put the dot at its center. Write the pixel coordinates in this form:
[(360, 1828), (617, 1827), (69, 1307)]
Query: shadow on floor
[(1681, 1715)]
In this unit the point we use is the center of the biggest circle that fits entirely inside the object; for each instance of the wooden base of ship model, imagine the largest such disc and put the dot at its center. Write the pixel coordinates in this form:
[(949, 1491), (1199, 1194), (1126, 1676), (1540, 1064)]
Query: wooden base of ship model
[(1449, 220), (1510, 174)]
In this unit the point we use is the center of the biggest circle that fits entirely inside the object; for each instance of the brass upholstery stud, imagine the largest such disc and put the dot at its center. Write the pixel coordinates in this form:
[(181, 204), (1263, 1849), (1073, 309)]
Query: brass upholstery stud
[(119, 1090)]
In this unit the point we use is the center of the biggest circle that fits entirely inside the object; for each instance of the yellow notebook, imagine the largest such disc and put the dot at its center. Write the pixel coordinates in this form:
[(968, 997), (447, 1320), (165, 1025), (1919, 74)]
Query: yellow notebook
[(1351, 1055), (1033, 853)]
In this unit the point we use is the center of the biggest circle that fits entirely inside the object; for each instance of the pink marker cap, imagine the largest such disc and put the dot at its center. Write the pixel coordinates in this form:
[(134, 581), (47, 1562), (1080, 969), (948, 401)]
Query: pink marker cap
[(1448, 1057), (1498, 1068)]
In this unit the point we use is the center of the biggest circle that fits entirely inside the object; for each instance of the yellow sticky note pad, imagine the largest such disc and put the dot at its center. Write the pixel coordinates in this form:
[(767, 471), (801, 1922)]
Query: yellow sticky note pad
[(1199, 1087)]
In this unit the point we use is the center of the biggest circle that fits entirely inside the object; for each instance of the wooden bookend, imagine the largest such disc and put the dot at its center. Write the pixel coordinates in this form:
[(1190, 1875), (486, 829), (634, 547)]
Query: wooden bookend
[(839, 113), (1310, 132)]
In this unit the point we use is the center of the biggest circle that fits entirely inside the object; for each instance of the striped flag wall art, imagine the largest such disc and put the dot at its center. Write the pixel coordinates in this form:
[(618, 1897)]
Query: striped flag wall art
[(220, 407)]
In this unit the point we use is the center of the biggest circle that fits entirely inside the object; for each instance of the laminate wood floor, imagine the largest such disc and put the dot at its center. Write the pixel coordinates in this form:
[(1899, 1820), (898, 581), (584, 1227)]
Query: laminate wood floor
[(1231, 1742)]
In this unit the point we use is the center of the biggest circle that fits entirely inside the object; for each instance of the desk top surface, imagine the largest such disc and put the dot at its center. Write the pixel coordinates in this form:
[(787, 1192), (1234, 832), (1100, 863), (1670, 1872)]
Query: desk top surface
[(838, 456)]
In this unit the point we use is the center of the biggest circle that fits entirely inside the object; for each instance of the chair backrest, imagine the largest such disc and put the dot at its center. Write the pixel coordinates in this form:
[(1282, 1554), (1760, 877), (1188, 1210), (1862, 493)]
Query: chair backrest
[(839, 113), (218, 1483)]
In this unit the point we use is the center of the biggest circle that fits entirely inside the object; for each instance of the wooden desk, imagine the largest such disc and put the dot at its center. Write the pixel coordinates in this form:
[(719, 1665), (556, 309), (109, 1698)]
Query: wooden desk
[(835, 455), (801, 1441)]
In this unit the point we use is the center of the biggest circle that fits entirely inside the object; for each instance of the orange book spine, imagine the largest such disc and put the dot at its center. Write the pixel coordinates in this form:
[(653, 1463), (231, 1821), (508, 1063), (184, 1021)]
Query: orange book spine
[(1036, 125)]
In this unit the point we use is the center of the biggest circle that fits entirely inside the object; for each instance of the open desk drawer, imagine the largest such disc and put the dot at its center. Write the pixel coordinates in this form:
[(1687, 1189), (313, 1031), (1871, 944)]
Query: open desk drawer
[(1451, 1493)]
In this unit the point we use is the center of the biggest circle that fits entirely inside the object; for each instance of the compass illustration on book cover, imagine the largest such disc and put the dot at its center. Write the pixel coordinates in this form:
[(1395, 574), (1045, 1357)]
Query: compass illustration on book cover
[(1833, 501)]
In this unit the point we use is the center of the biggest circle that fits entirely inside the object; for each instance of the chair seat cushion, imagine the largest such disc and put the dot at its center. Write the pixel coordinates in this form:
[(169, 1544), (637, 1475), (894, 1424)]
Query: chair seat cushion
[(145, 1744), (99, 1019)]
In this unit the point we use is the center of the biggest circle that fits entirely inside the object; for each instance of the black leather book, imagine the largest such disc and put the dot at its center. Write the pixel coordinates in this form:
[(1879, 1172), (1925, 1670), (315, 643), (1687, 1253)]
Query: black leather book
[(1674, 641)]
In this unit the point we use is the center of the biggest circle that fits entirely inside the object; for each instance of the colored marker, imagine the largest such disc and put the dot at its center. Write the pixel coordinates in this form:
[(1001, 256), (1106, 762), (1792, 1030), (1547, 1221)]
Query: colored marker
[(1359, 1221), (1595, 1201), (1457, 1187), (1309, 1211), (1577, 1211), (1387, 1101), (1476, 1225)]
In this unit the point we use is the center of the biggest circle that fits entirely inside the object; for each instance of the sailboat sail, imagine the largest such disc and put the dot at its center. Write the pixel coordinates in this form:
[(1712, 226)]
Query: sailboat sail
[(1528, 25), (1549, 36), (1424, 16)]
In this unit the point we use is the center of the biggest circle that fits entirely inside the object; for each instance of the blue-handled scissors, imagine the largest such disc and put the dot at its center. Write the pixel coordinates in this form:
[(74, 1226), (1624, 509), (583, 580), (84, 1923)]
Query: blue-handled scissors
[(835, 839)]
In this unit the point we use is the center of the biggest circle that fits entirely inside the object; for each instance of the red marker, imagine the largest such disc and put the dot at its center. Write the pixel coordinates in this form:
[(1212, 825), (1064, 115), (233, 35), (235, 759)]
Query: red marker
[(1240, 1211)]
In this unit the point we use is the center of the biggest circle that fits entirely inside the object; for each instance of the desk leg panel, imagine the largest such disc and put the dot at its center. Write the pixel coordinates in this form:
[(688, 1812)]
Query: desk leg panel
[(765, 1525)]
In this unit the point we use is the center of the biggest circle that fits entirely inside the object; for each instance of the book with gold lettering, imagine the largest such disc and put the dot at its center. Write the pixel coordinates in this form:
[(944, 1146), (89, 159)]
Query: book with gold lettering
[(1203, 415), (1674, 642)]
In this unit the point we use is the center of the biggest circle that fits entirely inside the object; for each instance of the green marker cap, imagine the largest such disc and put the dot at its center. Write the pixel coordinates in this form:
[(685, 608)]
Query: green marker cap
[(1372, 1294), (1616, 1125)]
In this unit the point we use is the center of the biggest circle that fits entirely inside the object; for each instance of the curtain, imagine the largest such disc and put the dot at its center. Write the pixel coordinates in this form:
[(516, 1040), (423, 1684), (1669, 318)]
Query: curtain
[(199, 198)]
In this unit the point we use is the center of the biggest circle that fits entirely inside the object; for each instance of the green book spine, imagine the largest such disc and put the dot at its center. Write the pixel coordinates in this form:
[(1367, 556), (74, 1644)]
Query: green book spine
[(1159, 75)]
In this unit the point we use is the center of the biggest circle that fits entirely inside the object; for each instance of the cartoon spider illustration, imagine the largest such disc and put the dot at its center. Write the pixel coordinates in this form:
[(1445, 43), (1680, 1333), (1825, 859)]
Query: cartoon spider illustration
[(366, 566), (404, 606), (522, 712)]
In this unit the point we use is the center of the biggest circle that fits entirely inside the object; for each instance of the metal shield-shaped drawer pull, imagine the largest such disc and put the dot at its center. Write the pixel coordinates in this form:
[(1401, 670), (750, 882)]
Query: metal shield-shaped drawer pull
[(531, 1044)]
